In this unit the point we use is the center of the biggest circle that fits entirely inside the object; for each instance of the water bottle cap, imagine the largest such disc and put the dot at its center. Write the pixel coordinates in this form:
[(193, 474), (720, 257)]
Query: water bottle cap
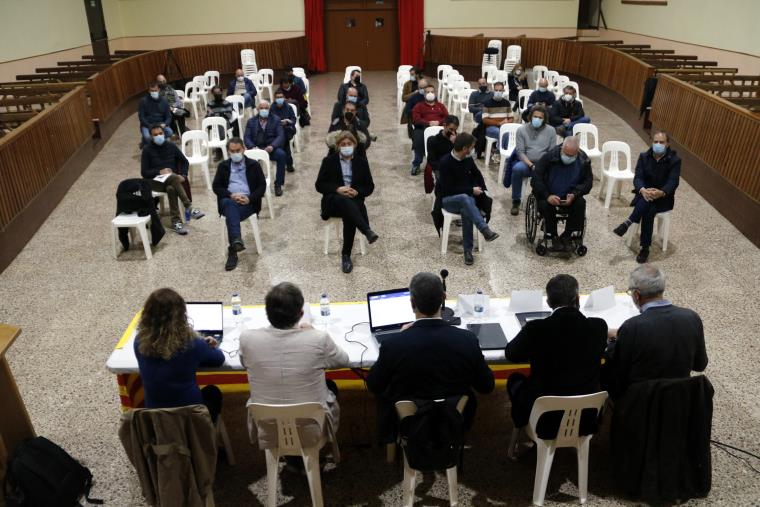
[(324, 294), (235, 294)]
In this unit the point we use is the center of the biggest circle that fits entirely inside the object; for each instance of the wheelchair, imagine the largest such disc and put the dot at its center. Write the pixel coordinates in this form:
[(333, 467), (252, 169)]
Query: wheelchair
[(534, 223)]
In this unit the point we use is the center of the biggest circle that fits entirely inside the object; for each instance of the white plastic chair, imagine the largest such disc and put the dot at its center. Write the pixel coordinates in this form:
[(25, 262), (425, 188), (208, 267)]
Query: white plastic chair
[(441, 71), (577, 89), (238, 111), (349, 70), (463, 103), (490, 72), (449, 217), (451, 86), (448, 77), (266, 77), (133, 223), (567, 436), (539, 72), (428, 133), (561, 82), (588, 139), (162, 197), (262, 157), (522, 101), (552, 77), (192, 97), (296, 138), (289, 443), (614, 173), (200, 82), (300, 72), (248, 61), (216, 139), (253, 220), (404, 68), (407, 409), (459, 89), (514, 54), (196, 150), (211, 79), (661, 229), (335, 223), (508, 129)]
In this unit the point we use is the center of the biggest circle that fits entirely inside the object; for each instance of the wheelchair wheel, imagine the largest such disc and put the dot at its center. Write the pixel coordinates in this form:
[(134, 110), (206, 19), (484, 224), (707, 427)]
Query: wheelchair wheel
[(581, 250), (541, 249), (531, 219)]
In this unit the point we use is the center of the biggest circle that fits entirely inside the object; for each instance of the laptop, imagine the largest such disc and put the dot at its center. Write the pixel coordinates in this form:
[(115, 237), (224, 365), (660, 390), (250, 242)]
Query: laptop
[(525, 317), (388, 311), (490, 335), (207, 318)]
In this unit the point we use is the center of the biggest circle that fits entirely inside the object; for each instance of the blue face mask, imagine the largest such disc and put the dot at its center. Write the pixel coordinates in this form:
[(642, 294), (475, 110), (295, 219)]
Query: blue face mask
[(159, 139), (351, 98), (536, 122), (236, 157), (347, 151), (659, 149), (542, 88), (264, 113), (154, 95), (567, 160), (279, 101)]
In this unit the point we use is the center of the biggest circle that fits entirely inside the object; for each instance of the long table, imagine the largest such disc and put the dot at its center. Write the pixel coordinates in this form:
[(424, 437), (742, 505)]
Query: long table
[(348, 327)]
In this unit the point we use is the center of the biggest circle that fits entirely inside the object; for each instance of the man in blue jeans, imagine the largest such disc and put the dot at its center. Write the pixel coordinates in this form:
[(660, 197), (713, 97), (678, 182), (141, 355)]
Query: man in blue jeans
[(463, 191), (267, 133), (154, 110), (534, 139), (566, 112), (239, 185)]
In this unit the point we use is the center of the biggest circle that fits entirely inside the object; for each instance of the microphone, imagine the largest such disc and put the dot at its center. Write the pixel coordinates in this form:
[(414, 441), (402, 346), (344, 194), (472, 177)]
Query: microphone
[(444, 274), (447, 314)]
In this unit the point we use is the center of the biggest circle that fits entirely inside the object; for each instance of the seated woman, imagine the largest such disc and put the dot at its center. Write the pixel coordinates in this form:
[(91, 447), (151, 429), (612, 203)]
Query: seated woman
[(516, 80), (169, 354), (344, 181)]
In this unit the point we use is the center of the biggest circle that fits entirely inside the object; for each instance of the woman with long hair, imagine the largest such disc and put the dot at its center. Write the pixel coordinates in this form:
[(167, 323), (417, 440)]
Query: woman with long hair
[(169, 354)]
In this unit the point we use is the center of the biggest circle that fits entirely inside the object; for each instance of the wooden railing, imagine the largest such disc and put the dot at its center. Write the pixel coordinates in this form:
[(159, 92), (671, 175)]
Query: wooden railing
[(620, 72), (724, 135), (126, 78), (32, 154)]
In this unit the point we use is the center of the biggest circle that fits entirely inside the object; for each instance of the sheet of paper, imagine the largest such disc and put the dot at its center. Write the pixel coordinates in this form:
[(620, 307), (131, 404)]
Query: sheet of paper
[(526, 301), (601, 299), (162, 177)]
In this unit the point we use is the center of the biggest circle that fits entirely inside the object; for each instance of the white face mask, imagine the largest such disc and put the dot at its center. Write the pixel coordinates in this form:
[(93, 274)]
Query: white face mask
[(236, 157), (240, 78), (498, 95), (568, 97), (430, 97)]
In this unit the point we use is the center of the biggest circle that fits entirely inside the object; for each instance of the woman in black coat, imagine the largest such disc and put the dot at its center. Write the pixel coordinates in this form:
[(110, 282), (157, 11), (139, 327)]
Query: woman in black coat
[(344, 181), (516, 81)]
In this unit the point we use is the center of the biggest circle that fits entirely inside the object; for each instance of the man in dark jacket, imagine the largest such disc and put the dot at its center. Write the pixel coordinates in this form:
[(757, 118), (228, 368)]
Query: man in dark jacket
[(281, 109), (541, 96), (566, 112), (349, 121), (297, 81), (560, 180), (461, 187), (453, 363), (352, 97), (442, 143), (154, 110), (239, 185), (243, 86), (658, 172), (266, 133), (361, 88), (564, 350), (294, 95), (163, 160)]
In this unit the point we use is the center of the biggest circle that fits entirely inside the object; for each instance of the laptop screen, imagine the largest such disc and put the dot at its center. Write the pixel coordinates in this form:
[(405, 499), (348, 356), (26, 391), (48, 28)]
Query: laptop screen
[(206, 316), (389, 309)]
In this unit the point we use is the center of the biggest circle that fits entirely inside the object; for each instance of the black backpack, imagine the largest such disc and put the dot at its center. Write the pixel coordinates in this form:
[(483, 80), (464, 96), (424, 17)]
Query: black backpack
[(433, 437), (40, 473)]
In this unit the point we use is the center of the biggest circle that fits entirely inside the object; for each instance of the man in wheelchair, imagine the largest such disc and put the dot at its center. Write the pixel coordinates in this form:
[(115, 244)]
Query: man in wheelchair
[(561, 178)]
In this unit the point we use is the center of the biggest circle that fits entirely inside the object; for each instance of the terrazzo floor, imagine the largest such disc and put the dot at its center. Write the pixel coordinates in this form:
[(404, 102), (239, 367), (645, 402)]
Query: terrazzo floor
[(73, 301)]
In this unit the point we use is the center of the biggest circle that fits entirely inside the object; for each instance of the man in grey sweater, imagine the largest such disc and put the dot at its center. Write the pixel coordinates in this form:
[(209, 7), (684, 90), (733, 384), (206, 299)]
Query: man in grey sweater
[(533, 140)]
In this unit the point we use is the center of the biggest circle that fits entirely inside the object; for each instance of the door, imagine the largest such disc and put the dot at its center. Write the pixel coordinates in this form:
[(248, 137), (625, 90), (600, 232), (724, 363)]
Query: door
[(97, 25), (361, 32)]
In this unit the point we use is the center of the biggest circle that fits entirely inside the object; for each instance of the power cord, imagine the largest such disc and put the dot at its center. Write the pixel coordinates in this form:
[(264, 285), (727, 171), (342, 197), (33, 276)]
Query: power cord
[(361, 357), (724, 447)]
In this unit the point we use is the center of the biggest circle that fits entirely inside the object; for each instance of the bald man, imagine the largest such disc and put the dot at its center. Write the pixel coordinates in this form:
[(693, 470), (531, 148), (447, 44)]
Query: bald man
[(541, 95), (560, 180)]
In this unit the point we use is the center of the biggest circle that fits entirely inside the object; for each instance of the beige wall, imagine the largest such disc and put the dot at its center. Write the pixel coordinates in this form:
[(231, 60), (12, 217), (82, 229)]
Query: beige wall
[(729, 24), (482, 14)]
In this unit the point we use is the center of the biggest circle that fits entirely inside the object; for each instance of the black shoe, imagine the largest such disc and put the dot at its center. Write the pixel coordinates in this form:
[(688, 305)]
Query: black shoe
[(557, 245), (489, 235), (643, 255), (469, 260), (415, 170), (458, 222), (515, 208), (372, 236), (345, 264), (237, 245), (290, 169), (566, 245), (232, 259), (621, 229), (278, 190)]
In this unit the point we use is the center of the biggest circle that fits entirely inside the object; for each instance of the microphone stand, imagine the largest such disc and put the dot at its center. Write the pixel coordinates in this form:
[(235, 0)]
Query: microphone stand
[(447, 314)]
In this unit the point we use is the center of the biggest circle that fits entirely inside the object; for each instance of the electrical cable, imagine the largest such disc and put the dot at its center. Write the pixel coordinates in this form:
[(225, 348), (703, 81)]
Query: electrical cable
[(722, 446)]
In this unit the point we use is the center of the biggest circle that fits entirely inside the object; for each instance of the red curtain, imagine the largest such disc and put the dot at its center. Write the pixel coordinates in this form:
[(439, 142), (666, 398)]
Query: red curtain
[(411, 25), (314, 11)]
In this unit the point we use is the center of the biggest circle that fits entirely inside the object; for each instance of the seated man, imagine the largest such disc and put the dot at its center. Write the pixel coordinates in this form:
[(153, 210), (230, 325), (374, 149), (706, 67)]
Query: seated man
[(286, 364), (243, 86), (658, 171), (566, 112), (294, 95), (429, 113), (176, 105), (560, 180), (350, 122), (352, 96), (411, 86), (428, 360), (665, 341), (534, 140), (516, 81), (165, 160), (267, 133), (442, 143), (154, 110), (355, 82), (540, 97), (475, 105), (463, 190), (413, 100), (496, 112), (220, 108), (297, 81), (282, 110), (239, 185), (564, 351)]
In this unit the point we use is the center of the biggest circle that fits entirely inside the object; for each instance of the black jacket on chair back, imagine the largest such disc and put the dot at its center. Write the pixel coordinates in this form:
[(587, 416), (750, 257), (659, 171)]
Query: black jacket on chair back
[(135, 196)]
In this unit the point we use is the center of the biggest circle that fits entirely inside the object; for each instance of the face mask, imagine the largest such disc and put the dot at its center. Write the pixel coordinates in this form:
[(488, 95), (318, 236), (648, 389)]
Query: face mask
[(472, 153), (658, 148), (542, 89), (567, 160), (159, 139), (162, 84), (240, 78), (568, 97), (154, 95), (347, 151), (279, 101), (518, 72), (536, 122), (498, 95), (430, 97), (217, 96), (236, 157), (358, 79), (352, 99), (422, 91), (264, 113), (483, 89)]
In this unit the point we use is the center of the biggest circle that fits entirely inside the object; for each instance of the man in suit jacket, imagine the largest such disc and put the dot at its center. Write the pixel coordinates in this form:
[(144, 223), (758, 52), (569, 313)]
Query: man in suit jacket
[(242, 86), (564, 350), (429, 359), (267, 133), (665, 341), (239, 185)]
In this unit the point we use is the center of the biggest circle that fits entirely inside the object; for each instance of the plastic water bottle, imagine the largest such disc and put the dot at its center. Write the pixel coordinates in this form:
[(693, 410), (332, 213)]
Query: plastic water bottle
[(478, 307), (237, 309), (324, 308)]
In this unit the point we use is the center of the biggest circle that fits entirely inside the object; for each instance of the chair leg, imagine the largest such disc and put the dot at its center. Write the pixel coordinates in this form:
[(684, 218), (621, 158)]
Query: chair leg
[(513, 444), (451, 475), (601, 184), (665, 232), (502, 164), (544, 459), (268, 197), (206, 174), (254, 221), (362, 244), (632, 232), (143, 232), (328, 227), (582, 452), (608, 196), (221, 431), (272, 468), (390, 452), (311, 464), (445, 234), (489, 147), (410, 479), (115, 241)]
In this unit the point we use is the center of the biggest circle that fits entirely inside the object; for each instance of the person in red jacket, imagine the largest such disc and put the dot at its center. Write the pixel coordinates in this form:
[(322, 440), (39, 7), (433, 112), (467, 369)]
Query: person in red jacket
[(429, 113)]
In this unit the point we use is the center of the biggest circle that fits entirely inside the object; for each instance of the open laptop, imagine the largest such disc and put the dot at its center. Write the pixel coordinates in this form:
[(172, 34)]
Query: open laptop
[(388, 311), (207, 318)]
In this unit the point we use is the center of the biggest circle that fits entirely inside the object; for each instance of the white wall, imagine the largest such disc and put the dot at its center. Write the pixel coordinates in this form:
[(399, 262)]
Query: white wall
[(500, 14), (729, 24)]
